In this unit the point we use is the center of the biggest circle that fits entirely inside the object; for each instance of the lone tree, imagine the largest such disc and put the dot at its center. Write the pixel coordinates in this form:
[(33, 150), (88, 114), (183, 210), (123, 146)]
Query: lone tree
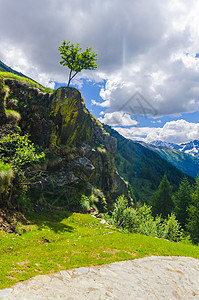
[(75, 60)]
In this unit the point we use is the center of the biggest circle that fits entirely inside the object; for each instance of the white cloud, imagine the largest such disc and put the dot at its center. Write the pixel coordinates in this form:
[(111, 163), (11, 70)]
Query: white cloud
[(118, 119), (142, 46), (179, 131)]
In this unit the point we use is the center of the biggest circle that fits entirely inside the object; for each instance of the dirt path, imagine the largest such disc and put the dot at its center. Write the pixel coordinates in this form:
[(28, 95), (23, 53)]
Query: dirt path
[(146, 278)]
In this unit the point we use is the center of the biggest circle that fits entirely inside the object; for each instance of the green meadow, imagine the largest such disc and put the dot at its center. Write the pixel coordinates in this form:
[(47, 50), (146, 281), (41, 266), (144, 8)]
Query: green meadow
[(70, 240)]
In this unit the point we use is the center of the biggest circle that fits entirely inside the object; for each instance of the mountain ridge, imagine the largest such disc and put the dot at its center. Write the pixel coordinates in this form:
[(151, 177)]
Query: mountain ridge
[(185, 162), (191, 147), (143, 168)]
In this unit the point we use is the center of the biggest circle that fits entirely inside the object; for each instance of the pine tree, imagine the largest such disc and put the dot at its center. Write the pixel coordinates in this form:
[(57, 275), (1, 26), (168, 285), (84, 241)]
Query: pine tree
[(182, 199), (161, 201), (193, 213)]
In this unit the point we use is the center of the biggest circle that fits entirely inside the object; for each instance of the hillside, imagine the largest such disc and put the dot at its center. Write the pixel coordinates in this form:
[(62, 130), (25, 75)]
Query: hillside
[(5, 68), (184, 162), (142, 167)]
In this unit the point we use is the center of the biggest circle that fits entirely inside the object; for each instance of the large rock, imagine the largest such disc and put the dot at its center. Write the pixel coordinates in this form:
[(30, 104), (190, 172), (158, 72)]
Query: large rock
[(61, 123)]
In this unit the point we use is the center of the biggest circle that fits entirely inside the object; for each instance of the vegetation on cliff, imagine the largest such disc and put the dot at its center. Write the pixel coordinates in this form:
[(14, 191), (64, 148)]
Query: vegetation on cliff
[(68, 152)]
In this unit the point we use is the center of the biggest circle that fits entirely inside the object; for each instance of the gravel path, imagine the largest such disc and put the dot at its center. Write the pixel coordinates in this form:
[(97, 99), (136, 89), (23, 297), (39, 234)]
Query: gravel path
[(147, 278)]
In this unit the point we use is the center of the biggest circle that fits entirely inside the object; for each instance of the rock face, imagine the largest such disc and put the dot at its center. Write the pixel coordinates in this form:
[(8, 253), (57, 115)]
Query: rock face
[(2, 100), (60, 122)]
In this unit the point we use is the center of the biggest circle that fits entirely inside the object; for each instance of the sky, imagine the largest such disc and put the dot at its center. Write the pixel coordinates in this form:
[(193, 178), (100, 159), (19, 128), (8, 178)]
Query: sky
[(146, 85)]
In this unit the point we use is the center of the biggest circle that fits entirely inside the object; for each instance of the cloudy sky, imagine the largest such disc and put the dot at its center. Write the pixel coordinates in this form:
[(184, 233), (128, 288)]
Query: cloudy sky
[(147, 82)]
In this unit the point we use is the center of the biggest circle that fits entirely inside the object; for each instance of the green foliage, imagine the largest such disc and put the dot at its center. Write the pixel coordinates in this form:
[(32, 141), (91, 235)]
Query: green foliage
[(85, 203), (182, 199), (143, 168), (119, 207), (172, 229), (95, 201), (161, 201), (62, 241), (6, 177), (16, 154), (75, 60), (18, 150), (132, 193), (140, 220), (6, 173), (193, 214)]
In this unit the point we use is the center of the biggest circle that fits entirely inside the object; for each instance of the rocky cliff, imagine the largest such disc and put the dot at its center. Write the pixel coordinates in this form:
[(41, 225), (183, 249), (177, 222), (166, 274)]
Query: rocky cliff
[(80, 153)]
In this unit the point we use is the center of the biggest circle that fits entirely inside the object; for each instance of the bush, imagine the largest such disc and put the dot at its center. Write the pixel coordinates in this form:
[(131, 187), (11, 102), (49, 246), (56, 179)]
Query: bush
[(172, 229), (6, 177), (85, 203), (17, 154), (140, 220), (118, 213), (18, 150)]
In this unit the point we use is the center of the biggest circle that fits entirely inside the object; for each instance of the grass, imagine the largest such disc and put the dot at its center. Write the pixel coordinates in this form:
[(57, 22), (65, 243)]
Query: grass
[(6, 173), (25, 80), (74, 240), (13, 115)]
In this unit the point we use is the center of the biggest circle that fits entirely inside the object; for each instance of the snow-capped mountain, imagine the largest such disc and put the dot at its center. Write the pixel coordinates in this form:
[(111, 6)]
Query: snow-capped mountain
[(189, 148)]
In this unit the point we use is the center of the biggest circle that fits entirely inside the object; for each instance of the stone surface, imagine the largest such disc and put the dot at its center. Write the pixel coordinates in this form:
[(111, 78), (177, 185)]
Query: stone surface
[(146, 278), (61, 123)]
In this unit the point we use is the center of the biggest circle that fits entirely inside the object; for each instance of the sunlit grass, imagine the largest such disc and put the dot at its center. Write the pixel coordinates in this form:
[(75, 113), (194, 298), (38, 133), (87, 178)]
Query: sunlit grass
[(74, 240), (25, 80)]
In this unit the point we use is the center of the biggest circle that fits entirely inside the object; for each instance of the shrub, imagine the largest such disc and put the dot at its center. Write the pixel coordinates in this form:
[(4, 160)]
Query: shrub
[(172, 229), (95, 201), (6, 173), (6, 177), (16, 154), (140, 220), (85, 203), (18, 150), (118, 213)]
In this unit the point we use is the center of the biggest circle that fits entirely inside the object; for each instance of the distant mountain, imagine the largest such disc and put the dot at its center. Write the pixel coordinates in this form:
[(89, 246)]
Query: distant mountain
[(184, 162), (191, 148), (5, 68), (142, 167)]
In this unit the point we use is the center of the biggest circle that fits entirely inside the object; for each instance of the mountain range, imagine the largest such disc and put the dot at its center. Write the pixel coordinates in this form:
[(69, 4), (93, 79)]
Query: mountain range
[(185, 162), (191, 148), (143, 168)]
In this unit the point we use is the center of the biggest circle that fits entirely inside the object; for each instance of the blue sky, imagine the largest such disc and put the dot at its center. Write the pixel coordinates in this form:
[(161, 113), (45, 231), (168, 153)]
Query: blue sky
[(149, 47)]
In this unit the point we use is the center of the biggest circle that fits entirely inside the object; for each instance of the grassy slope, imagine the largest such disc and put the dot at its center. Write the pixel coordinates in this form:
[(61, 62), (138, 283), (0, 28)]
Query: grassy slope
[(5, 68), (25, 80), (74, 240)]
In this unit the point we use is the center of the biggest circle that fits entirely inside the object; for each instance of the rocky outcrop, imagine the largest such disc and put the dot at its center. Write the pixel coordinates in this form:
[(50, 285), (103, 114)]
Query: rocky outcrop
[(2, 102), (61, 123)]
